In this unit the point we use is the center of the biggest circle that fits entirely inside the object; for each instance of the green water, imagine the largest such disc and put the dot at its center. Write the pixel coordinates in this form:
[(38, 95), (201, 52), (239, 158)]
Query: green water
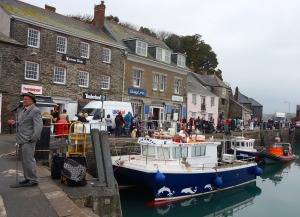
[(275, 194)]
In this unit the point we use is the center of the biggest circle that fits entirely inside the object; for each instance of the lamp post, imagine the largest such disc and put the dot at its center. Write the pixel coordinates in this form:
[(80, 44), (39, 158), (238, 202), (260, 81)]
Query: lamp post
[(289, 104)]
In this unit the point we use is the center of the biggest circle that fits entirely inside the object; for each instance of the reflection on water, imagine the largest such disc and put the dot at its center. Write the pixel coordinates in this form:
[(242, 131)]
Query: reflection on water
[(223, 203), (275, 172)]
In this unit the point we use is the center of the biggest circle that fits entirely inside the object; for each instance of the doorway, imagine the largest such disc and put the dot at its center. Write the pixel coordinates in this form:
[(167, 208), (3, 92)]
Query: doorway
[(158, 116)]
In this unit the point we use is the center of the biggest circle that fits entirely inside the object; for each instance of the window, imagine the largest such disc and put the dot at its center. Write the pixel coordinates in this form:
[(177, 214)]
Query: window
[(179, 152), (59, 75), (137, 77), (31, 71), (33, 38), (223, 92), (141, 48), (61, 44), (212, 101), (194, 98), (83, 79), (104, 82), (193, 114), (106, 55), (163, 55), (162, 83), (177, 86), (155, 81), (163, 153), (181, 60), (85, 50), (198, 151)]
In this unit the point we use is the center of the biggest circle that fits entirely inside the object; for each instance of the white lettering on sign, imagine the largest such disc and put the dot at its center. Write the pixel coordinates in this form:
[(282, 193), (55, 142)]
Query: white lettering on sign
[(177, 98), (31, 88)]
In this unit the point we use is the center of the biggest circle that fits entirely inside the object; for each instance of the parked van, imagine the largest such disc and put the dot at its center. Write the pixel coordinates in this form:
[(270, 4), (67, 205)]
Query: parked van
[(112, 108)]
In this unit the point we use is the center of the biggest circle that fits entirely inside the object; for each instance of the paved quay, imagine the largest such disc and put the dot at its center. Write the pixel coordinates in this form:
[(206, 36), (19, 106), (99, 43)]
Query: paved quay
[(46, 199)]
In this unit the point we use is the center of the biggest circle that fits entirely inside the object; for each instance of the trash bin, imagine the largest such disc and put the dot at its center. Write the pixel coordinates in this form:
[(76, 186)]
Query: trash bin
[(42, 147)]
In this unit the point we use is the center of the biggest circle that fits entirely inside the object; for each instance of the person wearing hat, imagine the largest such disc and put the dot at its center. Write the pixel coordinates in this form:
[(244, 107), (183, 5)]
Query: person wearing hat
[(29, 125)]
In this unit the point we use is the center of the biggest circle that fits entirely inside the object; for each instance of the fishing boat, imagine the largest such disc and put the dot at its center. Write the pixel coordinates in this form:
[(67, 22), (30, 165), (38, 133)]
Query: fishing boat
[(177, 170), (244, 147), (278, 152)]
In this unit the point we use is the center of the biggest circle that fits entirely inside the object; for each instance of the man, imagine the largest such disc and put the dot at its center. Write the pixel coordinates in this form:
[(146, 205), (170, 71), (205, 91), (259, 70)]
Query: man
[(119, 123), (29, 128), (127, 123)]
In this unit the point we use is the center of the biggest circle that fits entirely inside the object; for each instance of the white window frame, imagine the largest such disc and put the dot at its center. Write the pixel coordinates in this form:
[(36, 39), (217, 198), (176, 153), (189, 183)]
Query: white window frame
[(106, 55), (159, 54), (181, 60), (31, 68), (194, 98), (85, 50), (163, 55), (33, 38), (61, 44), (83, 81), (59, 73), (141, 48), (155, 79), (224, 92), (177, 84), (162, 83), (104, 82), (137, 77)]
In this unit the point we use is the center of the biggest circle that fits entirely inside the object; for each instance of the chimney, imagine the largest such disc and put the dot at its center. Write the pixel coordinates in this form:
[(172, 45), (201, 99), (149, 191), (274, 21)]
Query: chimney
[(99, 15), (50, 8), (236, 94)]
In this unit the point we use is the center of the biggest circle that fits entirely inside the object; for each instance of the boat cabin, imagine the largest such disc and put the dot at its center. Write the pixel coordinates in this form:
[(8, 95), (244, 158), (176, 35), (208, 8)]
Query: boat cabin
[(243, 143), (193, 152), (280, 148)]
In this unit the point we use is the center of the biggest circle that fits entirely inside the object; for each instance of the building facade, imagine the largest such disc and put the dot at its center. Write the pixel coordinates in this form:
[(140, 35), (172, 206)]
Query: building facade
[(69, 60)]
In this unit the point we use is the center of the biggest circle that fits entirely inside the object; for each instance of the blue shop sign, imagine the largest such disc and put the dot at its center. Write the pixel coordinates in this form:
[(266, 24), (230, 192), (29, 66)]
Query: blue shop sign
[(137, 92)]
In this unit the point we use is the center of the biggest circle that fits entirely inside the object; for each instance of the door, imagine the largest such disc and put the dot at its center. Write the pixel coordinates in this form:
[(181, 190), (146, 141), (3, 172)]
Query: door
[(158, 115)]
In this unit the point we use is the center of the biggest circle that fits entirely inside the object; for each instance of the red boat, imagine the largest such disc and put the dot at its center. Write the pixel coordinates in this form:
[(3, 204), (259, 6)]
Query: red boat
[(278, 152)]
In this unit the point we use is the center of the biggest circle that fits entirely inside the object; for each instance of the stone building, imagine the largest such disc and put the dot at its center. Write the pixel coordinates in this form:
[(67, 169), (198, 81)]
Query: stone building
[(66, 59), (250, 103), (155, 78), (239, 111)]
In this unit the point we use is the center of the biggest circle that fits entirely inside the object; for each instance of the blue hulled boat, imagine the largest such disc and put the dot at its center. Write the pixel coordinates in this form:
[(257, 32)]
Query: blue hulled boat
[(179, 170)]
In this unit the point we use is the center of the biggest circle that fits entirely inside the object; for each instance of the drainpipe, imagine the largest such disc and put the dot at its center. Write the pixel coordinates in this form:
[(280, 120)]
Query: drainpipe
[(124, 72)]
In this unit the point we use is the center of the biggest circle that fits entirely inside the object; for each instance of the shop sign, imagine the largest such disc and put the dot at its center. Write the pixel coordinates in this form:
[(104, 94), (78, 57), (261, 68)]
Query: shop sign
[(94, 96), (32, 89), (136, 92), (71, 59), (177, 98)]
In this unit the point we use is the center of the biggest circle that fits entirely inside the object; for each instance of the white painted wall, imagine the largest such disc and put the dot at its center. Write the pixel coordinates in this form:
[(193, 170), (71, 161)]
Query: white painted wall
[(196, 107)]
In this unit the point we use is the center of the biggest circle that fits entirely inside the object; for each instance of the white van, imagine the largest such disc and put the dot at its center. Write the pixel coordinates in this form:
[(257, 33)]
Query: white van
[(112, 108)]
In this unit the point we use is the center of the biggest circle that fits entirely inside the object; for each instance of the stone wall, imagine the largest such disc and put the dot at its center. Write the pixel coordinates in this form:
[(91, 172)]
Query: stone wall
[(223, 102), (13, 68)]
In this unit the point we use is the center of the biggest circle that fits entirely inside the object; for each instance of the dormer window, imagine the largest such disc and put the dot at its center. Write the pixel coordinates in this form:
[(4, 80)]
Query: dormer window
[(163, 55), (181, 60), (141, 48)]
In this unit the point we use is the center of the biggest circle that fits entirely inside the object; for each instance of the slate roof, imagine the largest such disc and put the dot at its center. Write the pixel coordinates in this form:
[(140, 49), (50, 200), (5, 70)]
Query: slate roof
[(200, 78), (194, 86), (214, 81), (125, 33), (56, 21), (254, 102), (243, 99), (6, 39)]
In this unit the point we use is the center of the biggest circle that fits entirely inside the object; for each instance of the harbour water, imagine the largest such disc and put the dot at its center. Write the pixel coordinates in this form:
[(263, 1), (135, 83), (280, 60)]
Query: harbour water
[(275, 194)]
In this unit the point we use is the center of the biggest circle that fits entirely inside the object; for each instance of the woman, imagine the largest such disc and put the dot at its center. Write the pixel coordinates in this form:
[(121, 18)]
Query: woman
[(108, 121)]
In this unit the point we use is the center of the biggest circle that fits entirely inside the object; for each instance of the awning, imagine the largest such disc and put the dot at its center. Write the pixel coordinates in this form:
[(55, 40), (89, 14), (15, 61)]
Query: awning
[(43, 101)]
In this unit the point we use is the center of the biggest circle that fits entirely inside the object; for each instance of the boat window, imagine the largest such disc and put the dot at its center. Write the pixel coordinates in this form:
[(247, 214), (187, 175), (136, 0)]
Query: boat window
[(179, 152), (163, 153), (242, 144), (198, 151), (148, 150)]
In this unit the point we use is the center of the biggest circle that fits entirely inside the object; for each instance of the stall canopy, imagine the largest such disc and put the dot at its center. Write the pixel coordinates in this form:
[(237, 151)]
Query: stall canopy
[(42, 101)]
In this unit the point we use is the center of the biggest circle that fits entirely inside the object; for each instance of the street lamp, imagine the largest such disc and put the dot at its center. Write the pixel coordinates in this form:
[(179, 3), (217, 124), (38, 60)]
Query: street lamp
[(289, 104)]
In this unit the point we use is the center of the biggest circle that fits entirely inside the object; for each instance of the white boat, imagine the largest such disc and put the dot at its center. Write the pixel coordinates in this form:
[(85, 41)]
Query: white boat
[(180, 170)]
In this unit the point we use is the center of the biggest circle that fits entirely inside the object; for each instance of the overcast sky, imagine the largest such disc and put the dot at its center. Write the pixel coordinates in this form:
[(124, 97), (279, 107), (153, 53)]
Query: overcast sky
[(257, 42)]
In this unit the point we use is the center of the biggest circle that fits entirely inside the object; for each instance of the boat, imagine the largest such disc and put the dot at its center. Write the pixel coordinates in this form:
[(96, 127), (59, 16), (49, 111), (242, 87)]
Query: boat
[(278, 152), (275, 172), (244, 147), (177, 170)]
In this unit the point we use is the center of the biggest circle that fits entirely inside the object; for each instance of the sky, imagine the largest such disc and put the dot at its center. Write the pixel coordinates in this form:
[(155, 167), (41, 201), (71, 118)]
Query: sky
[(257, 42)]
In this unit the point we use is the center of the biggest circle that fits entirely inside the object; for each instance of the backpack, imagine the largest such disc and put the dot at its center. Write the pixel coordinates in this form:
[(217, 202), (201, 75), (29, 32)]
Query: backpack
[(118, 120)]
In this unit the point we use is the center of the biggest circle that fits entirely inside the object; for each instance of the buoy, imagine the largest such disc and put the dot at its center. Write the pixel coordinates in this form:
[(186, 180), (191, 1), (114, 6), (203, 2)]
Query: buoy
[(258, 171), (217, 182), (159, 177)]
